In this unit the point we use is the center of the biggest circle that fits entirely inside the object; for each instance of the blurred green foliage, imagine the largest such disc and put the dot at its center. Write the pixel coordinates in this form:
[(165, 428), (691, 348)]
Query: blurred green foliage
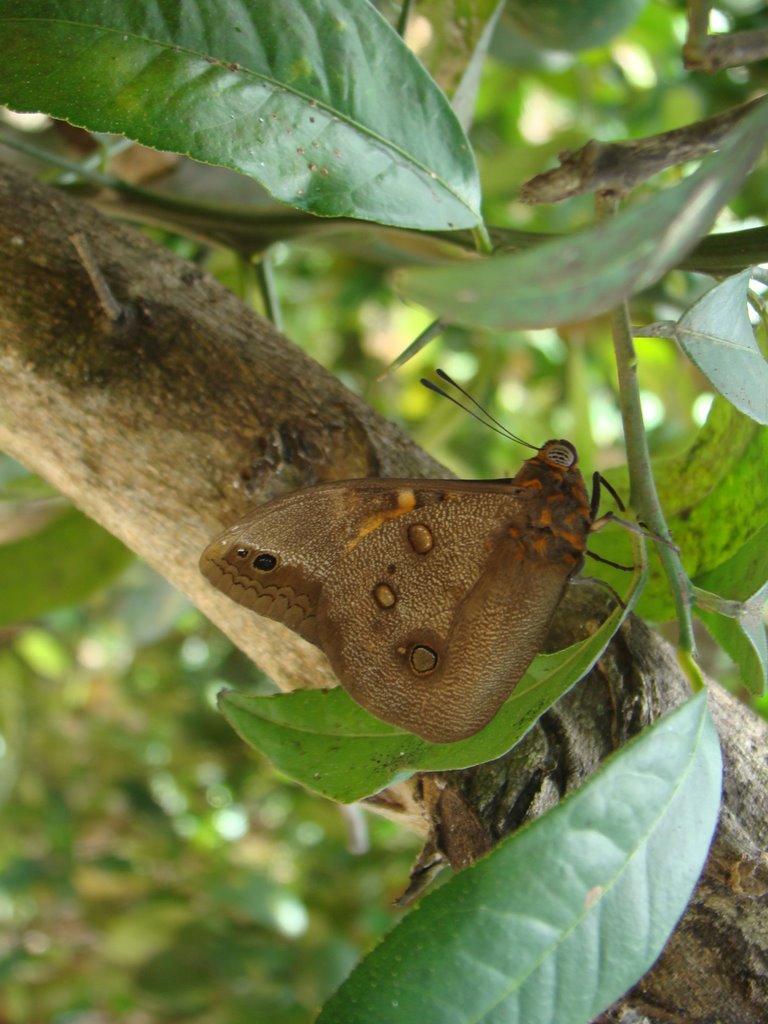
[(151, 869)]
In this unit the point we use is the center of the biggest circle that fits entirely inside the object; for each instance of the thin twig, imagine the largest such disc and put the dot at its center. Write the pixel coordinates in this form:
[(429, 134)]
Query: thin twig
[(698, 29), (109, 303), (658, 329), (266, 282)]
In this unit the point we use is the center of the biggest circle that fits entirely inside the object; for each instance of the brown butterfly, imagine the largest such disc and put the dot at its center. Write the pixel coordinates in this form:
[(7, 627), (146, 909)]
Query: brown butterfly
[(430, 598)]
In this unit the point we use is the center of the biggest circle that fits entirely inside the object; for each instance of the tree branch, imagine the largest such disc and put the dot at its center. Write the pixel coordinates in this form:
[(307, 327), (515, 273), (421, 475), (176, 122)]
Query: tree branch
[(711, 53), (169, 422), (618, 167)]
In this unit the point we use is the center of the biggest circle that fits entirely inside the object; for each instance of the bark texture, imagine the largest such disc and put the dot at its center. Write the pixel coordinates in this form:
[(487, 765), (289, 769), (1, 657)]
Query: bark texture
[(166, 423)]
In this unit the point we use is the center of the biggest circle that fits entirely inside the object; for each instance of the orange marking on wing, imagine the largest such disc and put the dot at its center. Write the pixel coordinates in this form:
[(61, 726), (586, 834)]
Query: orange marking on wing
[(536, 484), (545, 517), (406, 502)]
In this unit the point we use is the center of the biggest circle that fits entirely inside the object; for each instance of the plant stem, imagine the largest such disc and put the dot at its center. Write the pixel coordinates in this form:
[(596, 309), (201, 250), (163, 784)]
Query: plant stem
[(482, 239), (402, 21), (642, 487), (642, 493)]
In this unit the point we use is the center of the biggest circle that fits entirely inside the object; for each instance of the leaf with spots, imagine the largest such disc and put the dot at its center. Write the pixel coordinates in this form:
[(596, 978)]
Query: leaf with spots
[(319, 100)]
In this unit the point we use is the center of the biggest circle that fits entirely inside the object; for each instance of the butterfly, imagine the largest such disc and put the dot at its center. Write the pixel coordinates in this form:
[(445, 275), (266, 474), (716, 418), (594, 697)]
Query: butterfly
[(430, 598)]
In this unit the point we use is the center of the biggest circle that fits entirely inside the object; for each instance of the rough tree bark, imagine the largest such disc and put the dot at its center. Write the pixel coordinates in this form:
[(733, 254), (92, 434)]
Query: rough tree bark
[(166, 423)]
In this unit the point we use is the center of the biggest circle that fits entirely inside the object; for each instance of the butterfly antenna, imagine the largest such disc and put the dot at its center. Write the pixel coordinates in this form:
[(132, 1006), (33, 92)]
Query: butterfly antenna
[(489, 421)]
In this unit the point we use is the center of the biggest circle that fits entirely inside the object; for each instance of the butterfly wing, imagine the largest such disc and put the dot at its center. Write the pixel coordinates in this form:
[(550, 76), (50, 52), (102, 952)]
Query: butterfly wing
[(276, 559), (422, 594), (435, 614)]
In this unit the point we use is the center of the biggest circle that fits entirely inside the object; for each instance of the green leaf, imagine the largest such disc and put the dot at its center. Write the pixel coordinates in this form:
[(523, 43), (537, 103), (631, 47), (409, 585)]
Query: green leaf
[(743, 637), (739, 577), (60, 565), (329, 744), (577, 277), (715, 499), (571, 25), (718, 338), (730, 601), (319, 100), (461, 34), (565, 915), (716, 493)]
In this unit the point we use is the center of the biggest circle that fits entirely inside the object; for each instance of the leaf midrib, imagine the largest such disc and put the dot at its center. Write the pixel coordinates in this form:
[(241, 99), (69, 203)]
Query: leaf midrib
[(314, 101)]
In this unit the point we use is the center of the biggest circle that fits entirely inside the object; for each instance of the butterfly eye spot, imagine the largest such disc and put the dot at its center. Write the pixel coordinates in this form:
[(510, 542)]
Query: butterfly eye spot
[(265, 562), (420, 538), (384, 595), (423, 659)]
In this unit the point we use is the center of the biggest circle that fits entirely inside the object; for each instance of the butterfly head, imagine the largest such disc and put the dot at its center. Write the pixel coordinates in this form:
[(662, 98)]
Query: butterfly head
[(558, 453)]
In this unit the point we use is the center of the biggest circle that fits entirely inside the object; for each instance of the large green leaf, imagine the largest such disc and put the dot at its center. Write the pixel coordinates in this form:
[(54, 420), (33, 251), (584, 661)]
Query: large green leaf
[(567, 914), (319, 100), (325, 741), (715, 499), (60, 565), (585, 274)]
